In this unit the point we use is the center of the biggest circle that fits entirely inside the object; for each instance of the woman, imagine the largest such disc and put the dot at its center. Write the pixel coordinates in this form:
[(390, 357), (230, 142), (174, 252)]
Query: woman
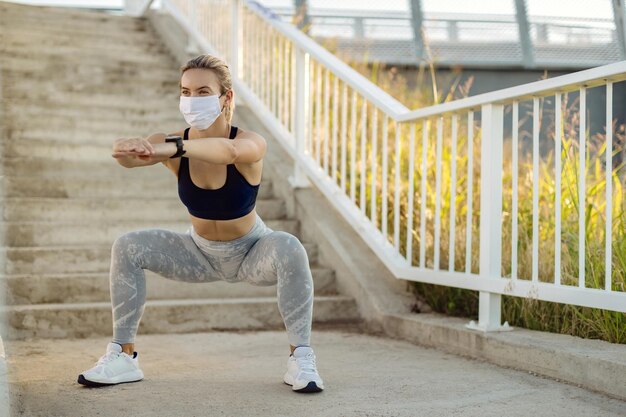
[(218, 180)]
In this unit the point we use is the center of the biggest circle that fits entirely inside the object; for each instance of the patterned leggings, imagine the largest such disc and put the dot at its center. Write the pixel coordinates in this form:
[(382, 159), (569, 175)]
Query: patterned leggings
[(261, 257)]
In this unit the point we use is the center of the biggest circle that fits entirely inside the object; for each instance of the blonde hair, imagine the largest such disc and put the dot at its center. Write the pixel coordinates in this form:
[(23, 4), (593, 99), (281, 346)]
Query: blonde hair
[(219, 67)]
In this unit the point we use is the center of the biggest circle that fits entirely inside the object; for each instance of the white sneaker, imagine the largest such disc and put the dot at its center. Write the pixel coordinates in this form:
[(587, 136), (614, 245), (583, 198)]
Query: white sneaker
[(301, 371), (114, 367)]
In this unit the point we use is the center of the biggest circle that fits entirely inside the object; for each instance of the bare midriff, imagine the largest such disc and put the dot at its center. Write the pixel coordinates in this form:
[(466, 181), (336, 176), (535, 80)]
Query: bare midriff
[(223, 229)]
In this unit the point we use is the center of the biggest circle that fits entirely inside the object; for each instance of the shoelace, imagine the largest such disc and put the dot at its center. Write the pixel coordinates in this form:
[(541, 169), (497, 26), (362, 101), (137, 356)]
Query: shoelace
[(307, 363)]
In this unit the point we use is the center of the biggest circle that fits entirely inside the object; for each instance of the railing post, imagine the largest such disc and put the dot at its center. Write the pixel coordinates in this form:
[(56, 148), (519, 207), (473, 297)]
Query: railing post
[(235, 39), (489, 304), (299, 179)]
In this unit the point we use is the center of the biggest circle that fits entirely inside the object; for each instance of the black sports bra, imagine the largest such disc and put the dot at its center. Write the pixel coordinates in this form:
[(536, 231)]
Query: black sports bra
[(233, 200)]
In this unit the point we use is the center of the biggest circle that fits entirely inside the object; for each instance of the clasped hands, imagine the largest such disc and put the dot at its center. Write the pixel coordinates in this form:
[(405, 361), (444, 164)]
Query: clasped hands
[(141, 148)]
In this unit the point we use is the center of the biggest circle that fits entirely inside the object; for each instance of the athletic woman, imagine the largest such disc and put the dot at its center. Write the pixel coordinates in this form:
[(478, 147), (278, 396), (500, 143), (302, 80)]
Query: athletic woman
[(219, 172)]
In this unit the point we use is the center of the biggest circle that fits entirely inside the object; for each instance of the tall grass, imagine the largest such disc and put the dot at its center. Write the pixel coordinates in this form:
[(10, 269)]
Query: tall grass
[(523, 312)]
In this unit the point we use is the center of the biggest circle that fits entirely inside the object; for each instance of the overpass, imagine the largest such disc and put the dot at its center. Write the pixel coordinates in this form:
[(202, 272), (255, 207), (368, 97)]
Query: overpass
[(514, 36)]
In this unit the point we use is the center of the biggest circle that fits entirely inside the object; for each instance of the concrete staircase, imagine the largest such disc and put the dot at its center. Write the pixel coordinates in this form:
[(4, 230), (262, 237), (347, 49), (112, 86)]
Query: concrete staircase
[(72, 82)]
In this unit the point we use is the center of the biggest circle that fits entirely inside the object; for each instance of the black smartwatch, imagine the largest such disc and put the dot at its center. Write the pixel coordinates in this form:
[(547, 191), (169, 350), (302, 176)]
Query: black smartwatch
[(179, 145)]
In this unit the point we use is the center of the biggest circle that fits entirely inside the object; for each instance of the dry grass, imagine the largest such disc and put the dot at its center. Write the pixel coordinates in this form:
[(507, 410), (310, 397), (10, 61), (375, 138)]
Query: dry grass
[(528, 313)]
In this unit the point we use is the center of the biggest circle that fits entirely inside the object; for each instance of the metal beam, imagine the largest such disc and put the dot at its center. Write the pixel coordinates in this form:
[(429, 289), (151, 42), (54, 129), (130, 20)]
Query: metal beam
[(301, 16), (417, 20), (619, 14), (528, 56)]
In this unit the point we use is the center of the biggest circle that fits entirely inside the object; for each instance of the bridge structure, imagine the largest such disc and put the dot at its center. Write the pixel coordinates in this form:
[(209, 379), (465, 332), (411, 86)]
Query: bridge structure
[(515, 34)]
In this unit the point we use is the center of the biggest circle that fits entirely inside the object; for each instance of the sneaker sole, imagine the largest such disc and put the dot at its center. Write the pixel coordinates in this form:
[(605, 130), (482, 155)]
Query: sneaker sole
[(84, 381), (311, 387)]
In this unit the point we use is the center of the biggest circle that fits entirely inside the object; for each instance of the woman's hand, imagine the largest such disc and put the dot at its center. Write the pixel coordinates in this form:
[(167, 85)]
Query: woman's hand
[(133, 148), (129, 152)]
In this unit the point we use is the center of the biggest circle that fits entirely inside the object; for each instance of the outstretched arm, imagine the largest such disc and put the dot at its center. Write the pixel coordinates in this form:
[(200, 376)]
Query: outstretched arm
[(249, 147)]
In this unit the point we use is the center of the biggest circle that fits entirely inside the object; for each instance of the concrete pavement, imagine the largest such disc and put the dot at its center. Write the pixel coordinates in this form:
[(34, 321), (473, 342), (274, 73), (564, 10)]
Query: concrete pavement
[(240, 374)]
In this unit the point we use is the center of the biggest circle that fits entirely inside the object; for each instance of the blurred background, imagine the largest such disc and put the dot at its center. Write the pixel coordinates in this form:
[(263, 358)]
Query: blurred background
[(495, 43)]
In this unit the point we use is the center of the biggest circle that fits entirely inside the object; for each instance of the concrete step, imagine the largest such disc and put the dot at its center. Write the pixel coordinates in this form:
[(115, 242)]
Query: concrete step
[(7, 8), (44, 167), (125, 90), (95, 287), (40, 166), (108, 109), (69, 120), (69, 56), (138, 208), (21, 37), (102, 232), (75, 259), (142, 35), (76, 105), (124, 66), (99, 73), (77, 25), (106, 186), (83, 320), (69, 126)]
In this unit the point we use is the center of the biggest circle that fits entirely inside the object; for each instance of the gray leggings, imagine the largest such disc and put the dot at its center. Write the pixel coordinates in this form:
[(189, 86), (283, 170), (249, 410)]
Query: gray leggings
[(261, 257)]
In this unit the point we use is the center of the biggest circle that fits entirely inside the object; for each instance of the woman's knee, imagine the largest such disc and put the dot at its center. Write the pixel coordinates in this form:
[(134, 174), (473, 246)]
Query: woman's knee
[(284, 240), (289, 249), (127, 241), (131, 244)]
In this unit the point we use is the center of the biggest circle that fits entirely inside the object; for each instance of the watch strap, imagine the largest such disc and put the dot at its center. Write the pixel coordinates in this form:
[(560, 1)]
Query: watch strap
[(179, 146)]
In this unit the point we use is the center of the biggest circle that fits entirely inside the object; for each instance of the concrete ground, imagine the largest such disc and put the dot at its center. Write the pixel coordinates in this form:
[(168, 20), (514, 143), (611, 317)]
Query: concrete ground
[(240, 374)]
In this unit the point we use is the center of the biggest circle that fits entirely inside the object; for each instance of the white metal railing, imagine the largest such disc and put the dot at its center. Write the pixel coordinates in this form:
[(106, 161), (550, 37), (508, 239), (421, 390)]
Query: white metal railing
[(425, 188)]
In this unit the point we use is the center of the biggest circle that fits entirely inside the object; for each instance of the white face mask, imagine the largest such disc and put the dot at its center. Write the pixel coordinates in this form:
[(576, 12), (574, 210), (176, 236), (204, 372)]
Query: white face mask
[(200, 112)]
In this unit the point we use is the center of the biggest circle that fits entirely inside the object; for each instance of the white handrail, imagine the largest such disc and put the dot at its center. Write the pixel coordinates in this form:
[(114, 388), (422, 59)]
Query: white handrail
[(564, 83)]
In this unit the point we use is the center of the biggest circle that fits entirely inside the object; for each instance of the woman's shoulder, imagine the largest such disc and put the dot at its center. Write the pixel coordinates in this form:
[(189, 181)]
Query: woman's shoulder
[(248, 134)]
